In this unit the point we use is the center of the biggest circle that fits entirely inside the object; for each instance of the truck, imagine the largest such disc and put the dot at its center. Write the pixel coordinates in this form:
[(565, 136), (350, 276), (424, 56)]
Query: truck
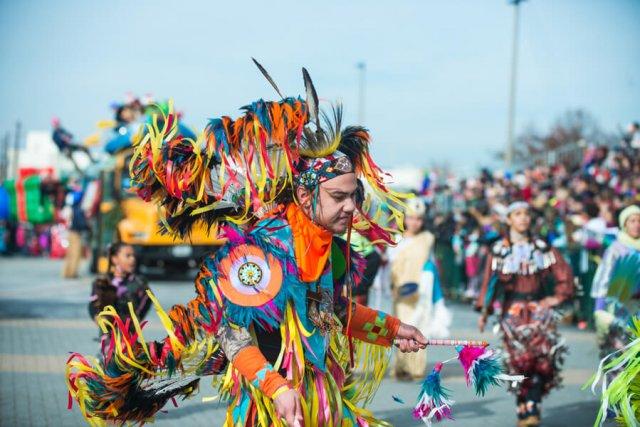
[(123, 216)]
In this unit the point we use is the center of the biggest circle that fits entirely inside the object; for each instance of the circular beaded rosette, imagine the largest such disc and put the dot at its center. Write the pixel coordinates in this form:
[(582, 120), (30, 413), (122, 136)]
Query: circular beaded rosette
[(249, 276)]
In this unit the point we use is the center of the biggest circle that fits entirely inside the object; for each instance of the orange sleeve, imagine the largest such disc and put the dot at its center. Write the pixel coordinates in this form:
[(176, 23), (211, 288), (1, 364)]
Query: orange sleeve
[(252, 365), (373, 326)]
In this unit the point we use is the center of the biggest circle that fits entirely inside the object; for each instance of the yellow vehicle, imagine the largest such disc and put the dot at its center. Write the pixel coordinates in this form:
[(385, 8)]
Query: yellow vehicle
[(123, 216)]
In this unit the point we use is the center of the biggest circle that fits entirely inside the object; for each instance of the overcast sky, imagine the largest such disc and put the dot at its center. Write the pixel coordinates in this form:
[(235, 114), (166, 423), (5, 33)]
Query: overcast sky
[(437, 71)]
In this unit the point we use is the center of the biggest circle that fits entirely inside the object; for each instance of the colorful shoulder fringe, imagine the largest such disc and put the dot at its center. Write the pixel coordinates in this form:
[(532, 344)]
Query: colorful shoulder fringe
[(618, 377)]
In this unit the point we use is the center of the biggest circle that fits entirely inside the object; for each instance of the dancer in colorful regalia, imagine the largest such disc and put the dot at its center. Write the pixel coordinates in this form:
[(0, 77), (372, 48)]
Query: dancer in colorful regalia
[(515, 274), (616, 285), (273, 320), (616, 289)]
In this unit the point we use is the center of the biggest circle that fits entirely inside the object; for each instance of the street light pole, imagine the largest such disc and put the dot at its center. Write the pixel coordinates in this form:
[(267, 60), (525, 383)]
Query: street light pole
[(16, 150), (4, 157), (512, 87), (362, 67)]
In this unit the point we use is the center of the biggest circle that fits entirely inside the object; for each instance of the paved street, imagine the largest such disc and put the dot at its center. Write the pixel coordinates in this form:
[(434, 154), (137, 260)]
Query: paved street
[(43, 317)]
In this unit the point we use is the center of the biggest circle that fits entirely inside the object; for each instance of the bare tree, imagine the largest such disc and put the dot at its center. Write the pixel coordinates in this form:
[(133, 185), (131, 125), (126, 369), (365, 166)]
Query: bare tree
[(564, 141)]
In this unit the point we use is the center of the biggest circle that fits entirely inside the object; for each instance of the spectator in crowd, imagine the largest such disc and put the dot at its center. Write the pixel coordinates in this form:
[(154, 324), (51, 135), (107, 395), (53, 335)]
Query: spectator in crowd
[(120, 286), (415, 284), (78, 226)]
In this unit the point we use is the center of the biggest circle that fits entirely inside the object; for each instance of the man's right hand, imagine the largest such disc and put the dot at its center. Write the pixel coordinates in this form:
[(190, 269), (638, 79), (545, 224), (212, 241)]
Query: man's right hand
[(288, 406), (482, 323)]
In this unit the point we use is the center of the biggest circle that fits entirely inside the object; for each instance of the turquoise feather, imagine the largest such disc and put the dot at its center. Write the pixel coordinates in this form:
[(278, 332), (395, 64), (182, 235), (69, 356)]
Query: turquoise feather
[(625, 278)]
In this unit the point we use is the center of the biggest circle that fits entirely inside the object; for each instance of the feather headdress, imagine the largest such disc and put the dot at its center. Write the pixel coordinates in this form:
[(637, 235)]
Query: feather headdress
[(239, 169)]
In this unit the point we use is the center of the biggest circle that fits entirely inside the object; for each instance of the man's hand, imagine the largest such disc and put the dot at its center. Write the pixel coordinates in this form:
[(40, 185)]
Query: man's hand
[(482, 323), (409, 339), (549, 302), (288, 407)]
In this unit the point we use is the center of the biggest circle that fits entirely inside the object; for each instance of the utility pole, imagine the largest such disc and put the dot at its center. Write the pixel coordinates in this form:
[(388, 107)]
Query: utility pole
[(4, 157), (512, 87), (16, 150), (362, 68)]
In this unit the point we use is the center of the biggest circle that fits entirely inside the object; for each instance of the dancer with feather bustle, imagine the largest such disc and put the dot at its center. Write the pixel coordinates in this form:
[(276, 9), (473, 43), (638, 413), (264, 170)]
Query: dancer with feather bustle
[(273, 320)]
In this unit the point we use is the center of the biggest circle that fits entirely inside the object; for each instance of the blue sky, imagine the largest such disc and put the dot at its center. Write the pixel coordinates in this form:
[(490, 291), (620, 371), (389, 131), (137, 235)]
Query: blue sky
[(437, 71)]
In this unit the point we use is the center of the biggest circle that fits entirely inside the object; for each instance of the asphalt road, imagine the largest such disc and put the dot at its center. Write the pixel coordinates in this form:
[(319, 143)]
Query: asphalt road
[(43, 317)]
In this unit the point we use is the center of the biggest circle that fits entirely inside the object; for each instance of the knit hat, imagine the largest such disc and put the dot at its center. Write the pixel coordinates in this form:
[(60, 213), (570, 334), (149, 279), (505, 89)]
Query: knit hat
[(415, 207), (626, 213), (515, 206)]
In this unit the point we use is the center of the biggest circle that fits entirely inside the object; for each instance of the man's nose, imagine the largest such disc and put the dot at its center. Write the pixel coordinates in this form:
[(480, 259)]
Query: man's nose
[(350, 206)]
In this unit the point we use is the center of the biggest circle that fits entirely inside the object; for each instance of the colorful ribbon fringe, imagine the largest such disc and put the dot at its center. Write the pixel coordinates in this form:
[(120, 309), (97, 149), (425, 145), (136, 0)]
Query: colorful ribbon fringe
[(618, 376)]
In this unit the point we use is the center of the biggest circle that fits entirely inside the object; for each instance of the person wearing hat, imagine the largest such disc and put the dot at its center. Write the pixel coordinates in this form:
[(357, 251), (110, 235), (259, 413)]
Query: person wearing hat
[(616, 289), (274, 319), (515, 274), (616, 284), (415, 284)]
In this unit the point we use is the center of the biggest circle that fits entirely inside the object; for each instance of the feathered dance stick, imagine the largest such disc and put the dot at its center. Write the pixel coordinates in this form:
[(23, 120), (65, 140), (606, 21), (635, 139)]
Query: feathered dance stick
[(433, 401), (457, 343), (483, 368)]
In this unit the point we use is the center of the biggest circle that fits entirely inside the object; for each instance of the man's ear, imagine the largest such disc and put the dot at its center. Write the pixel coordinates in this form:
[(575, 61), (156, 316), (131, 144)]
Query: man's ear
[(304, 196)]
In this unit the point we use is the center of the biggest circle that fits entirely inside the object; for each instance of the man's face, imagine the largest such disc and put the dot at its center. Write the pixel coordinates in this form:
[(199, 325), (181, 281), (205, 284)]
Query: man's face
[(336, 203)]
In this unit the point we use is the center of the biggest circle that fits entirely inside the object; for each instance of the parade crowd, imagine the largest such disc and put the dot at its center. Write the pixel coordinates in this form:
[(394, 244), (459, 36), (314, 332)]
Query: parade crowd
[(549, 244), (575, 209)]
